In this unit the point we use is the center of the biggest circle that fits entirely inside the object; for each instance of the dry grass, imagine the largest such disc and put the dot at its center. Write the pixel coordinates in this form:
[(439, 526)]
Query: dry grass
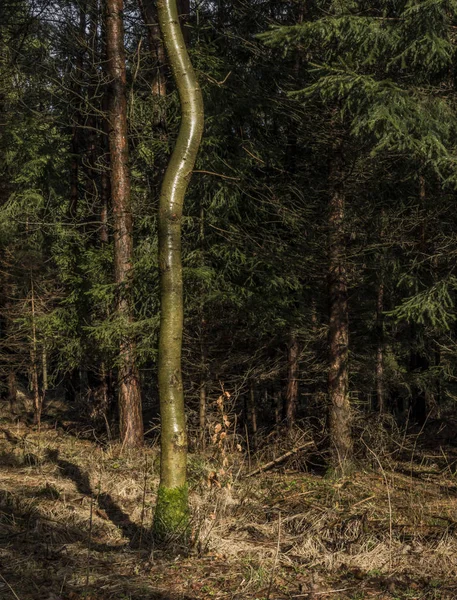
[(75, 519)]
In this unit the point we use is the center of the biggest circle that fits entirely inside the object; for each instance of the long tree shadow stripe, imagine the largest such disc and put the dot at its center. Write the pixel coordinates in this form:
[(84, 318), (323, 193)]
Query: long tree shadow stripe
[(107, 506)]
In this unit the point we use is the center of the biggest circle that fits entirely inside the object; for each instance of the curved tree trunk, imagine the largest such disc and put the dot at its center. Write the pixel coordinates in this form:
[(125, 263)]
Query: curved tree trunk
[(130, 414), (171, 514)]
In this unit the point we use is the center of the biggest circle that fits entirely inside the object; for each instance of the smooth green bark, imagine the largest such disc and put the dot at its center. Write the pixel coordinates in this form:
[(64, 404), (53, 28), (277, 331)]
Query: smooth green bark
[(176, 180)]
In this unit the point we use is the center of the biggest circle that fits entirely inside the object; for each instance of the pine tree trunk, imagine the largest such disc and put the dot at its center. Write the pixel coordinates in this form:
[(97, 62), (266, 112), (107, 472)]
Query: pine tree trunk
[(149, 13), (44, 377), (172, 514), (380, 394), (12, 391), (340, 410), (130, 412), (419, 362), (292, 380), (203, 338), (37, 398)]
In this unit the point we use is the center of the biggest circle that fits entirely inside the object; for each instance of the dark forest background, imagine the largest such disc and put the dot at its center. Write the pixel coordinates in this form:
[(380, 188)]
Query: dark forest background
[(319, 240)]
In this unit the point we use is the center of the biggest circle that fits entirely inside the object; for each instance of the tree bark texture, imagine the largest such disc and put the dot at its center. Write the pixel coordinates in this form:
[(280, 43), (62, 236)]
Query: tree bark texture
[(292, 380), (380, 394), (130, 412), (149, 13), (171, 514), (340, 410)]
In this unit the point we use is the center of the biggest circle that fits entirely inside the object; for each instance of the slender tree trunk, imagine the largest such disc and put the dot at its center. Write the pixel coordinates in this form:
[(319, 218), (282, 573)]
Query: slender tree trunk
[(105, 180), (202, 414), (44, 377), (130, 412), (380, 394), (340, 410), (37, 398), (252, 414), (277, 407), (12, 390), (379, 375), (419, 361), (292, 380), (149, 13), (104, 210), (203, 338), (171, 514)]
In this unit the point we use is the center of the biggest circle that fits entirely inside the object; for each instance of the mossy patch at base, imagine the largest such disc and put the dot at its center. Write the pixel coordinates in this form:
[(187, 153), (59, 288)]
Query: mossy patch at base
[(171, 517)]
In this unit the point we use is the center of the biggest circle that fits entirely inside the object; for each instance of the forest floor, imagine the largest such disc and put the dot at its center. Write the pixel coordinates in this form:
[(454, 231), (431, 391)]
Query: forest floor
[(75, 516)]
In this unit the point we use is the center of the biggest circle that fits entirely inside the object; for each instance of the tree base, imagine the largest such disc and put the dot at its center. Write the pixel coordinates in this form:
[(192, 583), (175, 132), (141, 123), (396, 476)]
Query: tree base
[(171, 517)]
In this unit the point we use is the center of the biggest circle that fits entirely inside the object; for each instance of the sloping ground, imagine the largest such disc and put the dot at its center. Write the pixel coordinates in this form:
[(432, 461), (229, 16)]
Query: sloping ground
[(75, 519)]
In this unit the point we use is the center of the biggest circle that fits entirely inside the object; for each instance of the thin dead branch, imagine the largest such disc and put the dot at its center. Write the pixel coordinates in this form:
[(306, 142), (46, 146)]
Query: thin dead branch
[(279, 460)]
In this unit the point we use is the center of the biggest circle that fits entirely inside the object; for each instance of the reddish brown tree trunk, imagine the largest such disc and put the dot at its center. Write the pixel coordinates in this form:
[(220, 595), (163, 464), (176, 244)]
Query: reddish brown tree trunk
[(340, 410), (292, 380), (130, 413)]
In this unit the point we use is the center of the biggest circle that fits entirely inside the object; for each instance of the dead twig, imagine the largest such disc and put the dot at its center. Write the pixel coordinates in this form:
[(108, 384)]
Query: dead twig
[(9, 587), (279, 460), (323, 593), (364, 500)]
